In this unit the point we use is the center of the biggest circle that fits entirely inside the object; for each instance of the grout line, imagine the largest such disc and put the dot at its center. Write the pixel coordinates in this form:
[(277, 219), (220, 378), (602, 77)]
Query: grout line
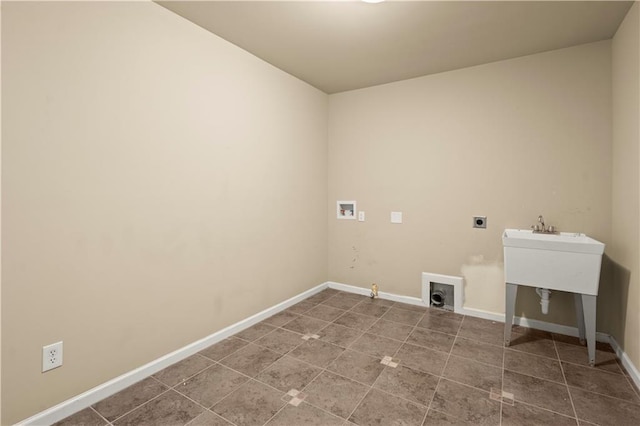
[(566, 383), (504, 359)]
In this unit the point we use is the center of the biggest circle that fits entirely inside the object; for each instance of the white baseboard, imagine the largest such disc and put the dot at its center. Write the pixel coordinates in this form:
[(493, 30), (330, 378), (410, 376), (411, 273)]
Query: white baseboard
[(626, 362), (105, 390), (381, 294)]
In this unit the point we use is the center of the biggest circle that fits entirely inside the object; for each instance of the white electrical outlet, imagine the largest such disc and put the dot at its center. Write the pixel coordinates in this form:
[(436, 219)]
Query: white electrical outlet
[(51, 356)]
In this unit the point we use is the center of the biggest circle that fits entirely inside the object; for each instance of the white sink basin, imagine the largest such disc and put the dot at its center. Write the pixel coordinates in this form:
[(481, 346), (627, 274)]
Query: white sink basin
[(566, 262)]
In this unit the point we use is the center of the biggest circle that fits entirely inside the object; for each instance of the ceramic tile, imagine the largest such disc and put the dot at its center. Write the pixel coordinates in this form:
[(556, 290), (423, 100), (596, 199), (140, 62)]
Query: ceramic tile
[(169, 409), (343, 302), (436, 418), (598, 381), (211, 385), (300, 308), (335, 393), (280, 319), (255, 332), (444, 313), (533, 344), (577, 354), (521, 414), (414, 385), (182, 370), (472, 373), (533, 365), (390, 329), (225, 348), (280, 340), (339, 335), (375, 345), (604, 410), (483, 330), (320, 297), (383, 409), (305, 325), (288, 373), (431, 339), (478, 351), (325, 313), (251, 359), (304, 414), (408, 307), (316, 352), (423, 359), (252, 404), (440, 323), (124, 401), (208, 419), (370, 309), (541, 393), (357, 321), (357, 366), (86, 417), (403, 316), (381, 302), (463, 402)]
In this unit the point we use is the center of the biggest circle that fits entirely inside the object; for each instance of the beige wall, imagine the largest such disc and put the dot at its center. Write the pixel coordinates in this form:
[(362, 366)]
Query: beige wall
[(509, 140), (158, 185), (625, 248)]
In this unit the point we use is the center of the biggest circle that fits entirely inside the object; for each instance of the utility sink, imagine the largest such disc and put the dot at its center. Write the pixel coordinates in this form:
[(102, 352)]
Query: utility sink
[(565, 261)]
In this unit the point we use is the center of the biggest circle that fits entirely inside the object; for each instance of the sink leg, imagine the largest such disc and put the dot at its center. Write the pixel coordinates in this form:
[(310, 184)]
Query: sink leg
[(580, 316), (589, 306), (510, 308)]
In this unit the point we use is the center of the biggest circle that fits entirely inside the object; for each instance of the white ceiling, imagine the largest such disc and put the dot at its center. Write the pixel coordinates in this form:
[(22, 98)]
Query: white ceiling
[(344, 45)]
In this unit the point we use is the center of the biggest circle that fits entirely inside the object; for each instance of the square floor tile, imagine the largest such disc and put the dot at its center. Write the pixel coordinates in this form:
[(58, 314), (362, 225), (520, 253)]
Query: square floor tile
[(335, 393), (170, 409), (316, 352), (414, 385), (300, 308), (403, 316), (339, 335), (304, 414), (440, 323), (534, 344), (320, 297), (598, 381), (472, 373), (604, 410), (280, 340), (255, 332), (369, 309), (478, 351), (541, 393), (252, 404), (209, 419), (126, 400), (375, 345), (324, 312), (86, 417), (251, 359), (431, 339), (288, 373), (417, 308), (379, 408), (280, 319), (223, 349), (483, 330), (521, 414), (390, 329), (306, 325), (577, 354), (211, 385), (182, 370), (466, 403), (533, 365), (420, 358), (343, 302), (437, 418), (356, 321), (357, 366)]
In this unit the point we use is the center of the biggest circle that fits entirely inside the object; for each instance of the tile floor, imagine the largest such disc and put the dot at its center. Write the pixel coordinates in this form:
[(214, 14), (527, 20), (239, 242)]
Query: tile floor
[(342, 359)]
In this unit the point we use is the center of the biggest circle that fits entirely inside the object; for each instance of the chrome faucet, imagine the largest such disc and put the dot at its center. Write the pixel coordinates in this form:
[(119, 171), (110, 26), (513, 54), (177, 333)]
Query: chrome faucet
[(540, 227)]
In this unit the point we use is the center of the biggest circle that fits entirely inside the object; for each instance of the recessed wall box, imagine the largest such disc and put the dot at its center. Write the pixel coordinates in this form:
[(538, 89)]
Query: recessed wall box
[(346, 210)]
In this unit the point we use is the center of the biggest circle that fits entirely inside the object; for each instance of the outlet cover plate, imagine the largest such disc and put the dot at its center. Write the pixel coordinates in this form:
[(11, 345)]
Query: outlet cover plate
[(51, 356)]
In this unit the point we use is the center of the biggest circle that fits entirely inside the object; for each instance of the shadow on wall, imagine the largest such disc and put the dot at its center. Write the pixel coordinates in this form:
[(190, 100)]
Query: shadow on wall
[(613, 298)]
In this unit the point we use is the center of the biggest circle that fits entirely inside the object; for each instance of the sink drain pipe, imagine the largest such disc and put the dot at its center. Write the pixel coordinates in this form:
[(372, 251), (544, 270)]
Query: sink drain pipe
[(544, 294)]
